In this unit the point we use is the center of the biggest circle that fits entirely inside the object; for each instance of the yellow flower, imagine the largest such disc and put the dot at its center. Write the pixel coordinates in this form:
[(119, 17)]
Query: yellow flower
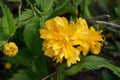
[(66, 41), (94, 40), (87, 39), (10, 49), (81, 35), (58, 41), (8, 65)]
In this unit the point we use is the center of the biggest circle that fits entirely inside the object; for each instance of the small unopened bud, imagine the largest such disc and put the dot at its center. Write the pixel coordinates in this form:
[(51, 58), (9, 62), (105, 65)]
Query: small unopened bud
[(8, 65), (10, 49)]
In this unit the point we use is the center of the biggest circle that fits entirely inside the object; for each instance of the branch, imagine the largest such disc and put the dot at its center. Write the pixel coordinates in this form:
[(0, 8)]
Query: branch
[(45, 78), (108, 23), (101, 16), (26, 18)]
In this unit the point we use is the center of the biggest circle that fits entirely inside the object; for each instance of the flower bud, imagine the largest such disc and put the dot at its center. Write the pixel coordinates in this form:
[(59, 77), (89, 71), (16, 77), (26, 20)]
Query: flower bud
[(10, 49), (8, 65)]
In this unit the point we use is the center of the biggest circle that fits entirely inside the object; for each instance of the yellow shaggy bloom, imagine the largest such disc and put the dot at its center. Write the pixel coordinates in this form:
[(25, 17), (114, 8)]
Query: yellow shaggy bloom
[(10, 49), (94, 40), (66, 41), (91, 38), (81, 35), (58, 42)]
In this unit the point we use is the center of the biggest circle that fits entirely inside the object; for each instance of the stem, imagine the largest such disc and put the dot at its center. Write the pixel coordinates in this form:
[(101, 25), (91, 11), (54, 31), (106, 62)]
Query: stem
[(56, 72), (32, 7), (41, 13), (26, 18), (111, 29), (76, 9), (108, 23), (49, 76), (34, 14), (19, 12), (101, 16)]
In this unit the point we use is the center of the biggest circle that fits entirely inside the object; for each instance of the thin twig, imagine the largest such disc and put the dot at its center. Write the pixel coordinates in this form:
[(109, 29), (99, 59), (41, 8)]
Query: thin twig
[(26, 18), (112, 29), (108, 23), (109, 47), (48, 76), (32, 7), (56, 72), (34, 14), (41, 13), (101, 16), (19, 11), (76, 9)]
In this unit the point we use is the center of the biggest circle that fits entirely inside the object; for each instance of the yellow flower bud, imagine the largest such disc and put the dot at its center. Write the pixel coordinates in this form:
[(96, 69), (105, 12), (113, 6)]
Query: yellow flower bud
[(10, 49), (8, 65)]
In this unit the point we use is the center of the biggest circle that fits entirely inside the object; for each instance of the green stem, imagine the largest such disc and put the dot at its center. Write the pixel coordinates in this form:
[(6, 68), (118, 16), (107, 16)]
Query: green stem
[(45, 78), (34, 9), (19, 12), (40, 13), (31, 7)]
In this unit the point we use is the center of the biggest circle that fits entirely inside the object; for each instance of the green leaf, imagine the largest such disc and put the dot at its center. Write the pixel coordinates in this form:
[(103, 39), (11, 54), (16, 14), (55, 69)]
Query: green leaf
[(21, 75), (33, 66), (63, 7), (47, 9), (60, 70), (40, 67), (20, 58), (45, 4), (31, 35), (14, 0), (107, 76), (117, 10), (2, 43), (77, 2), (74, 69), (93, 63), (103, 4), (45, 17), (3, 36), (62, 67), (61, 76), (61, 4), (8, 23), (85, 4), (26, 16)]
